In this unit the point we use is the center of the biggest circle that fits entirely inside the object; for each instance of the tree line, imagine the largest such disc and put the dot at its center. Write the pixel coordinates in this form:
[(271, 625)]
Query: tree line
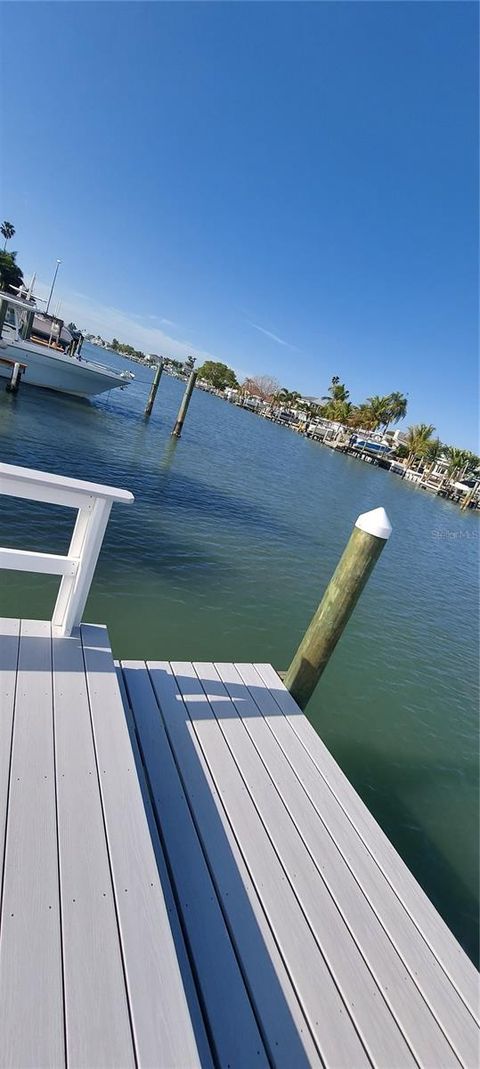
[(375, 413), (422, 449), (372, 414)]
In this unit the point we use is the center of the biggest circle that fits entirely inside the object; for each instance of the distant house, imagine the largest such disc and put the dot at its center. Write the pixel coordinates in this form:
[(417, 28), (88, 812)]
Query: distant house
[(396, 437)]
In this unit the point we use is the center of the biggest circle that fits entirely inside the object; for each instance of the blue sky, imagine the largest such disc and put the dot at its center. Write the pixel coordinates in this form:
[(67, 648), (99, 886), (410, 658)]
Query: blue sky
[(291, 188)]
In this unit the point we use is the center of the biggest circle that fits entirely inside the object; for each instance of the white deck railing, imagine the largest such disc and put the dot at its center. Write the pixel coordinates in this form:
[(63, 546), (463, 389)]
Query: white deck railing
[(93, 503)]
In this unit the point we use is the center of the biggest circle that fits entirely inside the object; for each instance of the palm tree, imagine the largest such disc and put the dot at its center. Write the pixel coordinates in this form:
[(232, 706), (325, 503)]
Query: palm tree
[(418, 440), (8, 231), (337, 391), (397, 403), (286, 397), (339, 411), (473, 463), (281, 397), (11, 275), (459, 461), (365, 417), (434, 450), (377, 411)]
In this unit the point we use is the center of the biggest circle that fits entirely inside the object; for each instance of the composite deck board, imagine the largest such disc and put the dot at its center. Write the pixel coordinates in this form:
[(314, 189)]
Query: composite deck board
[(455, 963), (232, 1023), (328, 1016), (190, 881), (31, 987), (282, 1022), (162, 1027), (97, 1023), (203, 1043), (404, 998), (371, 1014), (424, 968)]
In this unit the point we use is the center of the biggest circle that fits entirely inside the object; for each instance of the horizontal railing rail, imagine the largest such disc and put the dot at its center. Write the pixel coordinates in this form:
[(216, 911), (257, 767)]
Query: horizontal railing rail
[(93, 503)]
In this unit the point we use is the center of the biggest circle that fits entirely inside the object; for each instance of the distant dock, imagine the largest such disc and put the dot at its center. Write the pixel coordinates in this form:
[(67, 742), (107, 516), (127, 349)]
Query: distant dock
[(188, 877)]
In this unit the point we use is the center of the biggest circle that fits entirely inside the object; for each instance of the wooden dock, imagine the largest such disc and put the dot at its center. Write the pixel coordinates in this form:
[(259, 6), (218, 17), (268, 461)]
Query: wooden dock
[(190, 880)]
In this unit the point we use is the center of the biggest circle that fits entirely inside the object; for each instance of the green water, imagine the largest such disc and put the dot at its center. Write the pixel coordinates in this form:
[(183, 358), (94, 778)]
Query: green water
[(234, 532)]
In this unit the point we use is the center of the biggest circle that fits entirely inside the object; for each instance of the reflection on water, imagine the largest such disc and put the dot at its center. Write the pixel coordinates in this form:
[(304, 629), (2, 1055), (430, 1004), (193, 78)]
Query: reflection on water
[(234, 532)]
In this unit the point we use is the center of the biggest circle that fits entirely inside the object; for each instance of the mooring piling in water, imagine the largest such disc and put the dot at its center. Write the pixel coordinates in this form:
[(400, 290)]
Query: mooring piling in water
[(177, 430), (368, 538), (18, 370), (153, 389)]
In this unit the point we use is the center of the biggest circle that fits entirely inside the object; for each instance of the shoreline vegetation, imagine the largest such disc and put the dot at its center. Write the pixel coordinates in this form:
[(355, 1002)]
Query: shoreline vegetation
[(364, 431)]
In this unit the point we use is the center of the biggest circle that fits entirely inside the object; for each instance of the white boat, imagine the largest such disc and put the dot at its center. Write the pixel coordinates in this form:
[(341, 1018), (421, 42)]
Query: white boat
[(50, 354)]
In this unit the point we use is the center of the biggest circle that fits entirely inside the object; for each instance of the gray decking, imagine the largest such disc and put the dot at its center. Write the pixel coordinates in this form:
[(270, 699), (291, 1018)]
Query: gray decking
[(189, 879)]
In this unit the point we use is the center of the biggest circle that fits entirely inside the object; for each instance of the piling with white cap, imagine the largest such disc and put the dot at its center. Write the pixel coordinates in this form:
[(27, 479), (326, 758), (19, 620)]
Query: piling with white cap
[(153, 389), (369, 536), (14, 383)]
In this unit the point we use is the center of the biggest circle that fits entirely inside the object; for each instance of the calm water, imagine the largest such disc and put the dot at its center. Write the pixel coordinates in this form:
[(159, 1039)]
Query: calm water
[(234, 532)]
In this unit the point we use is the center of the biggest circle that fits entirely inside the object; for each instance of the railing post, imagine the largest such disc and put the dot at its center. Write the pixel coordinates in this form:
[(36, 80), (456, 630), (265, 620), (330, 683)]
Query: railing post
[(85, 546), (368, 538)]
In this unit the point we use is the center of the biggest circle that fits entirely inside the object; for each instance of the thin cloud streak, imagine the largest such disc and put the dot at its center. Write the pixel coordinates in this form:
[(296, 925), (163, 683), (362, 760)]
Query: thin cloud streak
[(269, 334), (111, 322)]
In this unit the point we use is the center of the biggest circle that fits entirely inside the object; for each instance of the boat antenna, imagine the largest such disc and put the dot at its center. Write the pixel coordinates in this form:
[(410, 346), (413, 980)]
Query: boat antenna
[(30, 288), (52, 286)]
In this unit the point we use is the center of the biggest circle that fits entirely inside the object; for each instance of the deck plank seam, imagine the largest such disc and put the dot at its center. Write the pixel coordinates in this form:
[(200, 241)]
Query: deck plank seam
[(110, 869), (325, 883), (364, 894), (59, 876), (325, 959), (231, 934), (46, 1008), (197, 877), (146, 785), (218, 892), (7, 801), (389, 935), (427, 941), (186, 940)]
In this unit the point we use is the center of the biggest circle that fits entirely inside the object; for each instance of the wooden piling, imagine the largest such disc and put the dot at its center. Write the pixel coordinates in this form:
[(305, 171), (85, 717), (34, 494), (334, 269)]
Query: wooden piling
[(368, 538), (153, 389), (177, 430)]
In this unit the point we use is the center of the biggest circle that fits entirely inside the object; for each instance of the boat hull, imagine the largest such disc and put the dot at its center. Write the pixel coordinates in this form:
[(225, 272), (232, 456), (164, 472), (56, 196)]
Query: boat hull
[(52, 370)]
